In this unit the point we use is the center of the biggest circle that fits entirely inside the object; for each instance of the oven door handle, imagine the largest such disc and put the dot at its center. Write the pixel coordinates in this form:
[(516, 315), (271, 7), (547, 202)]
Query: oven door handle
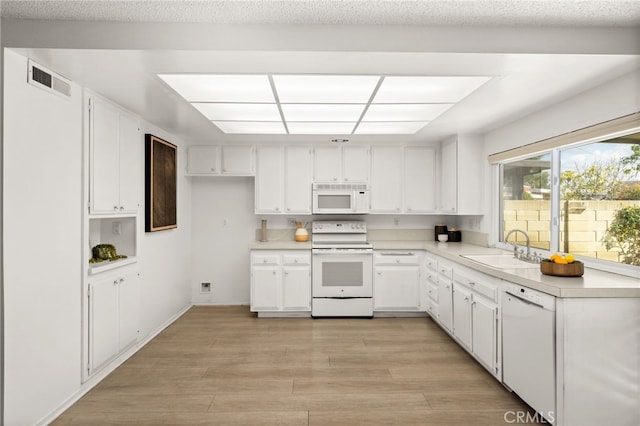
[(331, 252)]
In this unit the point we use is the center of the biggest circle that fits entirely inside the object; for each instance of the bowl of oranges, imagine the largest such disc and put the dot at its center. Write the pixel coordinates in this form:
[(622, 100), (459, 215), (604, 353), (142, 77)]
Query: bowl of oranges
[(562, 266)]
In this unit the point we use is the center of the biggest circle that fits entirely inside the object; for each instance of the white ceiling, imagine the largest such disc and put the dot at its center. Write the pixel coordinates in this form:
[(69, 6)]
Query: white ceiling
[(522, 83), (347, 12)]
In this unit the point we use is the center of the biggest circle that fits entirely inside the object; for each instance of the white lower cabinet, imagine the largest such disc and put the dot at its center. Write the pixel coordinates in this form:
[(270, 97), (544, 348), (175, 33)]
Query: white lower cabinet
[(396, 281), (280, 281), (114, 312), (475, 317), (445, 296)]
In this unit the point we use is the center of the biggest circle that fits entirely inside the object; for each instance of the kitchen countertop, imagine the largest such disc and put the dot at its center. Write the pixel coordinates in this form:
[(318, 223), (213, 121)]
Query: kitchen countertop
[(593, 283)]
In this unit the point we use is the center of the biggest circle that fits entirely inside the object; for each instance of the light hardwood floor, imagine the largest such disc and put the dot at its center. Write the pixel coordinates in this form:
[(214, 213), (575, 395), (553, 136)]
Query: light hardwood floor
[(224, 366)]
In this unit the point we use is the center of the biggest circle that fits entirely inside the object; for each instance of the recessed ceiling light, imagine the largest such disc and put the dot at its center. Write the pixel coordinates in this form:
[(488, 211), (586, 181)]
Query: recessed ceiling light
[(221, 88), (239, 112), (251, 127), (398, 90), (322, 112), (404, 112), (330, 89), (390, 127), (320, 128)]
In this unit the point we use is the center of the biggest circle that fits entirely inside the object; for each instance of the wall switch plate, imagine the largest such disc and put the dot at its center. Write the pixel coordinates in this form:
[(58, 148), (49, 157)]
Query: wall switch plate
[(205, 287)]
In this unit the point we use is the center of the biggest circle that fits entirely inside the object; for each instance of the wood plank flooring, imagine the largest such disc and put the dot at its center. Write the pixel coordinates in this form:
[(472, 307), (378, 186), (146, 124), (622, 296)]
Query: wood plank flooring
[(224, 366)]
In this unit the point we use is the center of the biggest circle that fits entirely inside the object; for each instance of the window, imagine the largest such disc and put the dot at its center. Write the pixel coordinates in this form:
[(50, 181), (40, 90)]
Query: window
[(592, 210)]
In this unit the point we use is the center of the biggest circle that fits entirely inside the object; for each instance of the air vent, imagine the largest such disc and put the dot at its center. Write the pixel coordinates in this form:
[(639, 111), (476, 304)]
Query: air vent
[(43, 78)]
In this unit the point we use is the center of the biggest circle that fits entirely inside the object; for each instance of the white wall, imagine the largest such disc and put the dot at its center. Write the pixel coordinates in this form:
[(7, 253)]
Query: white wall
[(43, 207), (42, 245), (165, 256)]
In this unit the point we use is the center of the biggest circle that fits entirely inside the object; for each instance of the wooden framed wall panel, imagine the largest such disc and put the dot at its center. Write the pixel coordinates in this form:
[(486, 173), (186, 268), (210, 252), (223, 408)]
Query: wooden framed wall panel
[(160, 184)]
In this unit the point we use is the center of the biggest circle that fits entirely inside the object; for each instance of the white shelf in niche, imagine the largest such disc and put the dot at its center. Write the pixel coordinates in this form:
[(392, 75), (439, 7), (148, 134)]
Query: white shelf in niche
[(96, 268), (121, 232)]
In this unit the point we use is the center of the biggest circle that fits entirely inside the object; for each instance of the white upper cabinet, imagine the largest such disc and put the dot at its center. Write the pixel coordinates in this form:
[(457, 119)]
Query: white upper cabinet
[(355, 164), (203, 160), (269, 185), (419, 180), (115, 168), (461, 175), (237, 161), (297, 179), (386, 179), (327, 164), (341, 164)]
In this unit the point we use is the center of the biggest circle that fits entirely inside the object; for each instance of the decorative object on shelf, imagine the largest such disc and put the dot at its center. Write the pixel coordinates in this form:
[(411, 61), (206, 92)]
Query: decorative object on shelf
[(103, 252), (562, 266), (160, 184), (440, 229), (455, 236), (443, 238), (301, 234)]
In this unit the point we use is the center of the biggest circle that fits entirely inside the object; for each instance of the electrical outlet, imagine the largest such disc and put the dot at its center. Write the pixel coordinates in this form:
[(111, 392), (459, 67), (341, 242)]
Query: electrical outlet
[(396, 221), (116, 228), (205, 287)]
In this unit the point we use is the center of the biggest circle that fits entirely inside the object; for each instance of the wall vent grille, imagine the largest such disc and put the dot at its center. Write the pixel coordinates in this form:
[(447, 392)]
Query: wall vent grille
[(43, 78)]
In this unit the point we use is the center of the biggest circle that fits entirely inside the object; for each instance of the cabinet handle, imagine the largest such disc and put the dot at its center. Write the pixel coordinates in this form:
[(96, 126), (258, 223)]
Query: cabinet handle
[(121, 280), (274, 272), (286, 272), (295, 260), (115, 282), (466, 299), (115, 207), (471, 283), (121, 207), (213, 169), (264, 261), (224, 170), (379, 273), (335, 178)]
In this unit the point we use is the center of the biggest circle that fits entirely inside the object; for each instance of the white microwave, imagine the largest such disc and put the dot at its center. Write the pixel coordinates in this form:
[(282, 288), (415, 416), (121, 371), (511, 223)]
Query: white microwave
[(340, 198)]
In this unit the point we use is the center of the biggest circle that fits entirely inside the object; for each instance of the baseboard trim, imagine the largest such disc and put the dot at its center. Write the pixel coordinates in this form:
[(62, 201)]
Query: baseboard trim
[(108, 369)]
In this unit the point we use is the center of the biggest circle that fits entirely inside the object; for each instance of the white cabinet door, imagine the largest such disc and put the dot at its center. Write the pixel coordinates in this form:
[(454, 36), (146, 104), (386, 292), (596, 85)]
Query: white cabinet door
[(237, 160), (355, 164), (129, 309), (445, 303), (326, 164), (202, 160), (449, 176), (130, 145), (396, 288), (105, 185), (485, 332), (462, 315), (419, 180), (265, 288), (386, 179), (296, 287), (297, 179), (103, 321), (269, 180)]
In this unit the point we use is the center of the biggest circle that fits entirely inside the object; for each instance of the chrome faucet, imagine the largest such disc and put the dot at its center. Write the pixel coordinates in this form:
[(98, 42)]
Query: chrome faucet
[(515, 245)]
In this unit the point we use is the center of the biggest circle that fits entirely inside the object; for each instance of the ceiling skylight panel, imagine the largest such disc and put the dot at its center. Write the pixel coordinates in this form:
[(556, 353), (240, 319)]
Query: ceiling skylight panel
[(396, 90), (322, 112), (320, 128), (251, 127), (330, 89), (404, 112), (221, 88), (390, 128), (239, 112)]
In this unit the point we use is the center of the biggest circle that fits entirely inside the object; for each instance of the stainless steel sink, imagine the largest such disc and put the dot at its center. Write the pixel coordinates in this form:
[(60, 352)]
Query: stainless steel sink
[(501, 261)]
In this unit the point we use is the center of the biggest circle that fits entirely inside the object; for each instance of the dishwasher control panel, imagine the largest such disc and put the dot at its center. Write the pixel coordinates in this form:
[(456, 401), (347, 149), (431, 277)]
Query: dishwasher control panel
[(543, 300)]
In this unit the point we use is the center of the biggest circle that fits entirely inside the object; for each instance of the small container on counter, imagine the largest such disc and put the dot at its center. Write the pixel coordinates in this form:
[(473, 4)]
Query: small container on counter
[(455, 235), (440, 229)]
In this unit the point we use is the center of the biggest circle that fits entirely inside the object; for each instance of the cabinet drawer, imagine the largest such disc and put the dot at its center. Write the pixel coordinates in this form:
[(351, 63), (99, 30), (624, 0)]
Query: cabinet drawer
[(431, 263), (446, 271), (432, 278), (432, 293), (396, 258), (296, 259), (483, 288), (432, 309), (264, 259)]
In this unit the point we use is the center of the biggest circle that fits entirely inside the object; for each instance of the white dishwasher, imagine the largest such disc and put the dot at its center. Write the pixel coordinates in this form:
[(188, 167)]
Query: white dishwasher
[(528, 347)]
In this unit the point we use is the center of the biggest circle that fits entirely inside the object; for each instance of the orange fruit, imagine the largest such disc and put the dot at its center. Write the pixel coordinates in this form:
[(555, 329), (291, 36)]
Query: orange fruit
[(561, 260), (553, 257), (569, 258)]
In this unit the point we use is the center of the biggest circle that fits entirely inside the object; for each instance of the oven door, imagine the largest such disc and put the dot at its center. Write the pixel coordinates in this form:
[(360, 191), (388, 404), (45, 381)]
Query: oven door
[(333, 202), (342, 273)]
